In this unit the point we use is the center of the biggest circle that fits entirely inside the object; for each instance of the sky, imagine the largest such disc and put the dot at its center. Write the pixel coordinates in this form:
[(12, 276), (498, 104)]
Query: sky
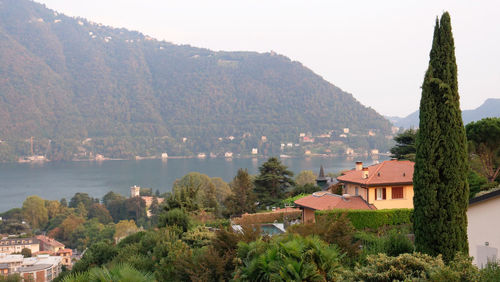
[(376, 50)]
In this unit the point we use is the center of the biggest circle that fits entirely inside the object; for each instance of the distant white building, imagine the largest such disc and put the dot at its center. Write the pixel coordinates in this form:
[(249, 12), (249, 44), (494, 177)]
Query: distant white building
[(289, 145), (164, 155), (263, 138), (255, 151), (228, 154), (349, 151), (346, 130), (302, 134), (231, 138), (135, 191)]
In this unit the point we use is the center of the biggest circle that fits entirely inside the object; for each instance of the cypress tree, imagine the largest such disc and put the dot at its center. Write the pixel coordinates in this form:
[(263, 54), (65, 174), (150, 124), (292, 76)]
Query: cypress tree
[(440, 178)]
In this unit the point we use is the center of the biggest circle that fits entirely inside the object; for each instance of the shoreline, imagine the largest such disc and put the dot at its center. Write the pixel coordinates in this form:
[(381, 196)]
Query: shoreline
[(138, 158)]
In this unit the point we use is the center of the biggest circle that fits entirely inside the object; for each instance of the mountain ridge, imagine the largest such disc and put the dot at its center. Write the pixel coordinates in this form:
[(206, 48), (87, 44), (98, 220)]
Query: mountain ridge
[(67, 79), (489, 108)]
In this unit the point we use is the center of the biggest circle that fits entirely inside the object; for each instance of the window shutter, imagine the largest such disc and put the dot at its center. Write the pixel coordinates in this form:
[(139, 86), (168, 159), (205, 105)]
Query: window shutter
[(383, 194)]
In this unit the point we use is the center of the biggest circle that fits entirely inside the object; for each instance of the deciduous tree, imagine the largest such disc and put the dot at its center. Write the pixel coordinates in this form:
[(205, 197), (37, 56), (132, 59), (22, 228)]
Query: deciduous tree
[(484, 138), (35, 212)]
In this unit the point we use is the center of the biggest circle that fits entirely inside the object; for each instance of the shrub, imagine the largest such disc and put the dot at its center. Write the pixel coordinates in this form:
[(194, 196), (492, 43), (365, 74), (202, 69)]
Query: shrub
[(268, 217), (174, 217), (490, 273), (398, 243), (291, 200), (414, 267), (340, 232), (373, 219)]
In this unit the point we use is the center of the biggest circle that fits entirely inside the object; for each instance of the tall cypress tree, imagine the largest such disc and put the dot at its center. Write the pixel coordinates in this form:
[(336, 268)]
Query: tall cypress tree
[(440, 178)]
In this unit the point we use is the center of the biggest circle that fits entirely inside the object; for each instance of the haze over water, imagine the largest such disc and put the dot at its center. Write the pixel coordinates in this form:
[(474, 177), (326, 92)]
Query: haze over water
[(58, 180)]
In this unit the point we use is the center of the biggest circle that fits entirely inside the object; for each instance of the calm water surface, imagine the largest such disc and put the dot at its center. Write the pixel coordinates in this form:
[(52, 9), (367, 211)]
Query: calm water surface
[(63, 179)]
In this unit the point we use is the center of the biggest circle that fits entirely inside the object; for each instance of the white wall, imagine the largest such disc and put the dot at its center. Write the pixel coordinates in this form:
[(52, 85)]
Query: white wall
[(484, 226)]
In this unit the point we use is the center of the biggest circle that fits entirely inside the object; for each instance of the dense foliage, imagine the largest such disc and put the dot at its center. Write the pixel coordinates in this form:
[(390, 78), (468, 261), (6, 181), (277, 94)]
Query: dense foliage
[(484, 144), (67, 79), (273, 182), (405, 145), (373, 219), (440, 177)]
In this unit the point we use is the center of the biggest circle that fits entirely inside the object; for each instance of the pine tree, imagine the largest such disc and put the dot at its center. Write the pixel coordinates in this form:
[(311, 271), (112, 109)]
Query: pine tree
[(242, 198), (440, 178), (274, 179)]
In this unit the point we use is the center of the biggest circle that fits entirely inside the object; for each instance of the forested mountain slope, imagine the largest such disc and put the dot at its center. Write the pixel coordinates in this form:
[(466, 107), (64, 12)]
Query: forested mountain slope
[(66, 79)]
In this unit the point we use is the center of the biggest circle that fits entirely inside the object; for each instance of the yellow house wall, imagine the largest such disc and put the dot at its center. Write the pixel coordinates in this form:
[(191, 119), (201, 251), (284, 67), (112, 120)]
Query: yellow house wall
[(389, 203)]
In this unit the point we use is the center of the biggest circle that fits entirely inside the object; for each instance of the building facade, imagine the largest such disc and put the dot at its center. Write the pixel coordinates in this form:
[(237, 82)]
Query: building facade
[(16, 245), (42, 268), (49, 245), (483, 229)]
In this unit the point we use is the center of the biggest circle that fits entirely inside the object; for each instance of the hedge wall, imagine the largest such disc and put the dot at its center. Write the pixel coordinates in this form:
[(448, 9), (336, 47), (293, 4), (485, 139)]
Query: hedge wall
[(374, 219), (268, 217)]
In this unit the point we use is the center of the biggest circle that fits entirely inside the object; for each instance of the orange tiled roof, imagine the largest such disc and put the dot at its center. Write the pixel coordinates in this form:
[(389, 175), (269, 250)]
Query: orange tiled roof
[(329, 201), (388, 172), (49, 241)]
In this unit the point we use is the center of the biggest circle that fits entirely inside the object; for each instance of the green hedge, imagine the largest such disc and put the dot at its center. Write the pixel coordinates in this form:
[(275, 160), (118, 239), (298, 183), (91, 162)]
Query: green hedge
[(374, 219)]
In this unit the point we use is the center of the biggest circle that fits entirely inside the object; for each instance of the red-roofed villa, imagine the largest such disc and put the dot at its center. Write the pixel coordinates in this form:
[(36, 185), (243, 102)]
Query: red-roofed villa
[(387, 185)]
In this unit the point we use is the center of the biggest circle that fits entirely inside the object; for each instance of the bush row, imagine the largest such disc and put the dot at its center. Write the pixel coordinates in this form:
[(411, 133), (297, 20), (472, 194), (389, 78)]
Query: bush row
[(268, 217), (373, 219)]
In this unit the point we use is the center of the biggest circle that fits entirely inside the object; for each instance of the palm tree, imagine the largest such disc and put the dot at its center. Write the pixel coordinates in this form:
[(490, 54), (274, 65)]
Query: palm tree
[(117, 273)]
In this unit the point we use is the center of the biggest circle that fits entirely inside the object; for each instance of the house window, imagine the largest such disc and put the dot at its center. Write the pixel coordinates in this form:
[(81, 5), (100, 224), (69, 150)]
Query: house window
[(381, 194), (356, 191), (397, 192)]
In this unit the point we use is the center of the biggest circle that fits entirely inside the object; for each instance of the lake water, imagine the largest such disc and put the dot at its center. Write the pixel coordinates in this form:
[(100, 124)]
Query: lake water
[(56, 180)]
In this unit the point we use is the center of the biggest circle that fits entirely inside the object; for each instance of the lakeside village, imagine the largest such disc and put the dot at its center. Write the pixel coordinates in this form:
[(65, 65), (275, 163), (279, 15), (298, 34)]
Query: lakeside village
[(374, 197), (429, 214), (332, 143)]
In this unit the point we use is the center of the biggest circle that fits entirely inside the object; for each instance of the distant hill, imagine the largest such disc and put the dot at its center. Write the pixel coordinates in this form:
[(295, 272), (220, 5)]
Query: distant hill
[(63, 80), (490, 108)]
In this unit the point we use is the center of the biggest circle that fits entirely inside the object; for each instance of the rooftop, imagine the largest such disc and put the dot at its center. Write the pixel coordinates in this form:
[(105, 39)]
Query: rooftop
[(328, 201), (485, 195), (387, 172), (49, 241), (5, 258)]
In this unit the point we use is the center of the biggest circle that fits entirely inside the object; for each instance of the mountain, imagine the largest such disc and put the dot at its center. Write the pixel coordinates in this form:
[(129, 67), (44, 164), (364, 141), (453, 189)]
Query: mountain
[(490, 108), (79, 87)]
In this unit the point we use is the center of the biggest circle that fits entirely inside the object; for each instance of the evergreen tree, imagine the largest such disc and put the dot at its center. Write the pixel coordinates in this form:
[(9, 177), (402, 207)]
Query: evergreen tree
[(405, 147), (242, 198), (440, 178), (274, 179)]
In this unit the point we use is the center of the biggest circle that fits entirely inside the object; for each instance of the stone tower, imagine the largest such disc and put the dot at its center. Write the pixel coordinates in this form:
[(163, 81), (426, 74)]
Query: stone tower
[(135, 191)]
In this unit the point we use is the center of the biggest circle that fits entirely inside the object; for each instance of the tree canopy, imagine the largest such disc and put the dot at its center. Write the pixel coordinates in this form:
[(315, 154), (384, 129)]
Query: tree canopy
[(484, 142), (405, 145), (273, 181)]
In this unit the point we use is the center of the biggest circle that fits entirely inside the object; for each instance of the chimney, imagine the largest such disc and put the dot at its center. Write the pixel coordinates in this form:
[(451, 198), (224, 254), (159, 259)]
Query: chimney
[(365, 172), (359, 166)]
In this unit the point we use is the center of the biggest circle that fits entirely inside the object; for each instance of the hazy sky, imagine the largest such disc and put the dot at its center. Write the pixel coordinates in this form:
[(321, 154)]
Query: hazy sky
[(376, 50)]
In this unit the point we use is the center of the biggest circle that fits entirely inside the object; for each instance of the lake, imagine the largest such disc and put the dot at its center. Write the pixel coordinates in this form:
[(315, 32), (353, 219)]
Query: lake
[(56, 180)]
